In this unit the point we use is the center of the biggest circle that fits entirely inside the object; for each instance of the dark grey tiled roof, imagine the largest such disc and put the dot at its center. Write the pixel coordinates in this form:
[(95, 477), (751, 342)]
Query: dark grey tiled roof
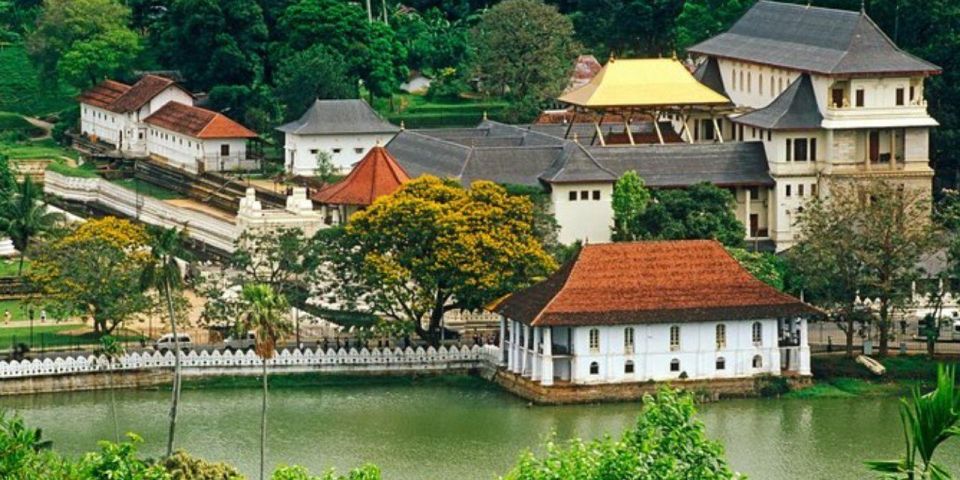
[(794, 109), (708, 73), (812, 39), (683, 164), (670, 165), (577, 165), (339, 116)]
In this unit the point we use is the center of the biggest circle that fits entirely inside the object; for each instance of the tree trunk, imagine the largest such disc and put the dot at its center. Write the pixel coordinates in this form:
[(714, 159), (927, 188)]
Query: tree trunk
[(849, 333), (20, 269), (884, 326), (113, 406), (263, 424), (175, 401)]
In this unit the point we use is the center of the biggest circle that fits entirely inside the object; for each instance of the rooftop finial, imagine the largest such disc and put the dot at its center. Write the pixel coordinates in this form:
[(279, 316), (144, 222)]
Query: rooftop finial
[(484, 115), (402, 126)]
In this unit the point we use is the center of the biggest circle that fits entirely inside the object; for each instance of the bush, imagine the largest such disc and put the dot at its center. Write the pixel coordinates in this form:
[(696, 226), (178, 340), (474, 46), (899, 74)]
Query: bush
[(182, 466), (65, 122), (772, 386)]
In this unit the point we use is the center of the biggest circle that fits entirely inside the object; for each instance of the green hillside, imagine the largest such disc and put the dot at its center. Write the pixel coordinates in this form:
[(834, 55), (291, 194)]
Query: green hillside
[(21, 90)]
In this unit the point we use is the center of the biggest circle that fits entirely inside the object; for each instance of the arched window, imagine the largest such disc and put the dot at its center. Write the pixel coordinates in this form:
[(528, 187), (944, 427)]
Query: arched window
[(674, 337), (628, 340), (734, 76), (675, 365), (594, 368), (721, 363), (757, 333), (760, 82), (628, 367), (749, 82), (594, 340), (721, 336), (757, 361)]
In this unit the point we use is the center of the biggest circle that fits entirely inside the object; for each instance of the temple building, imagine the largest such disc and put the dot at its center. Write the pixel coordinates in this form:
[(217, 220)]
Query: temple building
[(652, 311), (376, 175), (788, 100)]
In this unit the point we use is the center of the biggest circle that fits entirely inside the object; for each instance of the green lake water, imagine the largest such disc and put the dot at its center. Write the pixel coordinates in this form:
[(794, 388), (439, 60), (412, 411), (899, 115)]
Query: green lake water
[(464, 430)]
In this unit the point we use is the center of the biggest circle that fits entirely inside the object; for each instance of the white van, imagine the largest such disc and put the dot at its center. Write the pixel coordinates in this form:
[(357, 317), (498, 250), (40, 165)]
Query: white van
[(241, 341), (166, 342)]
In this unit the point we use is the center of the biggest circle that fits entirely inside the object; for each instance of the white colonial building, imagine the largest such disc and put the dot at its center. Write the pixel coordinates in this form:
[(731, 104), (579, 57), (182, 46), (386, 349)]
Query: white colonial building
[(636, 312), (113, 112), (345, 129), (197, 139)]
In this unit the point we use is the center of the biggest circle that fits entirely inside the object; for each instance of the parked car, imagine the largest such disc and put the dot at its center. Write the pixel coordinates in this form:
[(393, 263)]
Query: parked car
[(166, 342), (241, 342)]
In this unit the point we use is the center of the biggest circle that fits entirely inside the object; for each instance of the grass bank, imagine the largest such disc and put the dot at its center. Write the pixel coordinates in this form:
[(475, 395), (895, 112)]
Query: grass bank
[(841, 377), (21, 90), (54, 336), (319, 380), (417, 111)]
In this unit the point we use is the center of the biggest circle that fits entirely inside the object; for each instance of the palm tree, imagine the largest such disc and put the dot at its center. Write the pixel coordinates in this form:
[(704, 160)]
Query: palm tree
[(111, 350), (264, 312), (163, 274), (928, 420), (24, 216)]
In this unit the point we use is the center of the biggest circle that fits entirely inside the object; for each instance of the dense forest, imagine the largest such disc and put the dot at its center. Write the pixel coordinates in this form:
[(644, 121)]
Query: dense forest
[(263, 60)]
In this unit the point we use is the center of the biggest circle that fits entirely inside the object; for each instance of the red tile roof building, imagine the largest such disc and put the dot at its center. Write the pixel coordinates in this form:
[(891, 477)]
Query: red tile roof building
[(376, 175), (197, 122)]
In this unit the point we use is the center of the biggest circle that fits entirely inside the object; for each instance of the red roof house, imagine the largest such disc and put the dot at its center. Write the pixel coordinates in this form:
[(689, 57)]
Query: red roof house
[(197, 122), (376, 175)]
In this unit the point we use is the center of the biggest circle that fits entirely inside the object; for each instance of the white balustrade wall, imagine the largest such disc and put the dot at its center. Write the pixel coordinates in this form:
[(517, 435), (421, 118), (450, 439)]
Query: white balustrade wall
[(212, 231), (295, 360)]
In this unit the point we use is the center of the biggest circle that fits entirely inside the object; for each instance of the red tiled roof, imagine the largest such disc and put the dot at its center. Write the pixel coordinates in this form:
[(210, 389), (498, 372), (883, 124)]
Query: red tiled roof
[(650, 282), (197, 122), (103, 94), (140, 93), (377, 174)]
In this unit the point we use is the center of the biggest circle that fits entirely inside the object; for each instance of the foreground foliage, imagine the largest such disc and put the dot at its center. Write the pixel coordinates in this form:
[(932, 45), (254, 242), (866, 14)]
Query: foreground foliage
[(668, 443)]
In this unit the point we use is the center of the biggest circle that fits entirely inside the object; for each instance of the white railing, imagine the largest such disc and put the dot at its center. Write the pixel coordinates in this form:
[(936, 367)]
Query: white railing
[(212, 231), (226, 362)]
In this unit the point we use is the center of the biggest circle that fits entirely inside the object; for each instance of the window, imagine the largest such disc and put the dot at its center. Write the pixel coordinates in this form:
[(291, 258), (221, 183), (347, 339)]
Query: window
[(787, 190), (740, 128), (769, 135), (837, 97), (674, 338), (596, 194), (813, 189), (754, 193), (757, 361), (789, 149), (314, 151), (358, 150), (754, 132), (706, 129), (757, 333), (224, 150), (749, 83), (721, 363), (741, 79), (594, 368), (800, 149), (772, 91), (780, 84), (913, 92), (734, 78), (813, 149), (675, 365), (860, 97), (628, 367), (584, 194), (800, 190), (573, 196), (760, 83), (594, 340), (721, 336), (336, 151), (628, 340), (900, 96)]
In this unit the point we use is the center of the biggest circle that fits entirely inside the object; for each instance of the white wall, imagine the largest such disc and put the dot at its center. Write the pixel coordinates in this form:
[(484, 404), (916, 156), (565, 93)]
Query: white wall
[(587, 220), (177, 148), (300, 151), (104, 124)]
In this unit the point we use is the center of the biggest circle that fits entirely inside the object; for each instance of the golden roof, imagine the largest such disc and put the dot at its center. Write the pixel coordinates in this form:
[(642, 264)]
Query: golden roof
[(646, 82)]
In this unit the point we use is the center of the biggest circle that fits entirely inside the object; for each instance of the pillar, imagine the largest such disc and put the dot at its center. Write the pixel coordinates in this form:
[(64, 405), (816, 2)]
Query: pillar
[(546, 373), (804, 350), (503, 347), (514, 347), (535, 355), (523, 350), (746, 220)]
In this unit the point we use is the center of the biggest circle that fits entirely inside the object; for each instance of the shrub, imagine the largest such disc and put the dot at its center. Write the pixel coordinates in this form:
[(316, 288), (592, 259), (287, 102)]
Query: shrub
[(772, 386), (182, 466)]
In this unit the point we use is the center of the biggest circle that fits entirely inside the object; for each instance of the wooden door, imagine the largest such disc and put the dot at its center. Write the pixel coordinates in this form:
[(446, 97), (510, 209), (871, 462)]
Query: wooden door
[(754, 224), (837, 97), (874, 146)]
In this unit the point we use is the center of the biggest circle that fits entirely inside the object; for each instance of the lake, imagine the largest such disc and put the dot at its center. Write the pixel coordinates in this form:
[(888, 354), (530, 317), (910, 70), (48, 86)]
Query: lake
[(464, 430)]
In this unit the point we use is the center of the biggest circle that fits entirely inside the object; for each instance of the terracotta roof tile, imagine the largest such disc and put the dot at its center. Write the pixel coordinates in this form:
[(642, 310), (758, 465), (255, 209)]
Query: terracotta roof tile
[(650, 282), (140, 93), (377, 174), (103, 94), (197, 122)]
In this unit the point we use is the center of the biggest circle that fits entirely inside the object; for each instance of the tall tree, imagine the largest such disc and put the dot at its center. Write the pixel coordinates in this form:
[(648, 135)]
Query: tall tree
[(94, 271), (162, 273), (317, 72), (701, 19), (432, 247), (630, 28), (524, 49), (107, 55), (630, 200), (215, 42), (266, 313), (24, 216), (68, 24)]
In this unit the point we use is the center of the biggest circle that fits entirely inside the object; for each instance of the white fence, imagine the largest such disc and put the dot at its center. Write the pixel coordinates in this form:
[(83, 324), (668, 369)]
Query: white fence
[(226, 362), (215, 232)]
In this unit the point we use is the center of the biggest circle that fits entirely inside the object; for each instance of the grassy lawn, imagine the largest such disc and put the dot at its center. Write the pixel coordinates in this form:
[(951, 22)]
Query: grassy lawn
[(36, 149), (87, 170), (148, 189), (21, 90), (416, 111), (9, 267), (839, 376), (14, 122), (53, 336)]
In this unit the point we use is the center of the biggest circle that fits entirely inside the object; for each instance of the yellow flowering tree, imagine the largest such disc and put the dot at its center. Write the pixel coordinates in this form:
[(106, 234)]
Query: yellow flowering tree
[(432, 247), (95, 271)]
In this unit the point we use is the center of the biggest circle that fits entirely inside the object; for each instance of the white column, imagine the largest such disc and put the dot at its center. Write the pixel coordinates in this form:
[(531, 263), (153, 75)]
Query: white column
[(503, 350), (515, 348), (804, 348), (535, 355), (746, 220), (546, 373), (524, 362)]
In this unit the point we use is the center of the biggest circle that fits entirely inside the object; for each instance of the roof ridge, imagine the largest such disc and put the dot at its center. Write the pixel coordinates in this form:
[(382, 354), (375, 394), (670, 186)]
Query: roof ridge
[(573, 265)]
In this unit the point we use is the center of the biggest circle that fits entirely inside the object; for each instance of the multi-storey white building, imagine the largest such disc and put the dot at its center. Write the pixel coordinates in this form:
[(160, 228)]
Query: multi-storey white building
[(828, 95), (635, 312), (345, 129)]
